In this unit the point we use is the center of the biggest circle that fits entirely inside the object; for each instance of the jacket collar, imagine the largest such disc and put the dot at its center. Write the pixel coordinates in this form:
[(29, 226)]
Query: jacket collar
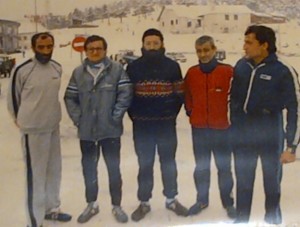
[(106, 61), (208, 67), (270, 58)]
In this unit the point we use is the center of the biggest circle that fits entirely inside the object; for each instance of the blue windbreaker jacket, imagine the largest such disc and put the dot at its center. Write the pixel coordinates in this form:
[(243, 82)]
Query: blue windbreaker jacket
[(266, 88)]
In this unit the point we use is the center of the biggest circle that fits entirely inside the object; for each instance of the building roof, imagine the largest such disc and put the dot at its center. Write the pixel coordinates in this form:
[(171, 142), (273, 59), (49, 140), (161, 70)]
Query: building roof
[(10, 22), (200, 10)]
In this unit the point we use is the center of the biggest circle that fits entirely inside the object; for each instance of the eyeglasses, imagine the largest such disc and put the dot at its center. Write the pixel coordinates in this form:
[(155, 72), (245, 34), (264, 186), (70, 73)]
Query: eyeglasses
[(92, 49)]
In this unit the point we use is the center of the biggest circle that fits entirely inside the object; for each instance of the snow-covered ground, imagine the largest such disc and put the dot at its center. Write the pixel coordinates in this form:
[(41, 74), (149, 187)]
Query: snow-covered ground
[(128, 36)]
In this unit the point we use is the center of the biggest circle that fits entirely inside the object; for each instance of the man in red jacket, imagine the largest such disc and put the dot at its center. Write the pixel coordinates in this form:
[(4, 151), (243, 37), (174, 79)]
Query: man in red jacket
[(207, 87)]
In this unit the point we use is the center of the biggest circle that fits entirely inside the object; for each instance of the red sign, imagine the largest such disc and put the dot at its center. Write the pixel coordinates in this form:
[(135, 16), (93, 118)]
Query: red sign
[(78, 43)]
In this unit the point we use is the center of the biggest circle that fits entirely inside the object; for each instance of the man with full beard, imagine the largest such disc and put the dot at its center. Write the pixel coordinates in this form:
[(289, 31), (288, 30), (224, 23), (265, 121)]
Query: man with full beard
[(158, 97), (34, 105)]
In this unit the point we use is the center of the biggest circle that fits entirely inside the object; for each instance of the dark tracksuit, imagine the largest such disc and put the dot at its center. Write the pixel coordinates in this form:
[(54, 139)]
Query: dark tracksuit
[(156, 102), (259, 93)]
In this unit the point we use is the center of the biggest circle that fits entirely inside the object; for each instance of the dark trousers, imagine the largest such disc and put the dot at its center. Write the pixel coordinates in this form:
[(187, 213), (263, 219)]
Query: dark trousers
[(259, 137), (205, 142), (90, 156), (149, 137)]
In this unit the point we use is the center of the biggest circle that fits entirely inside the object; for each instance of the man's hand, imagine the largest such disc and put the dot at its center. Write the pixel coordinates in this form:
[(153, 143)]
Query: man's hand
[(287, 156)]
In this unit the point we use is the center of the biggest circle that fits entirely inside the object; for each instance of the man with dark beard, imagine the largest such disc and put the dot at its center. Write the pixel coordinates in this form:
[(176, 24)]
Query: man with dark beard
[(158, 97), (34, 105)]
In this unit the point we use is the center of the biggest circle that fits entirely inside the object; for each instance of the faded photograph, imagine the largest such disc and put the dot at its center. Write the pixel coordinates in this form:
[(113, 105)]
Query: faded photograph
[(149, 113)]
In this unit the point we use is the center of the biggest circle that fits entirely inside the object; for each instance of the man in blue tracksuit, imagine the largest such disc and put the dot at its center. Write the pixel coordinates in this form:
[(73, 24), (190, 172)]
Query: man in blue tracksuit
[(263, 86)]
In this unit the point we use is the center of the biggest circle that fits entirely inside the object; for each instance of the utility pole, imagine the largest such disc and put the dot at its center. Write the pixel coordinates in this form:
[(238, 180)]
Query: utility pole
[(35, 17)]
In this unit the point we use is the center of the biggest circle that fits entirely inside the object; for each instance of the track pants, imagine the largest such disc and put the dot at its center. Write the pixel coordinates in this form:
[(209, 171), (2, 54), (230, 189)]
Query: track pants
[(259, 136), (43, 174)]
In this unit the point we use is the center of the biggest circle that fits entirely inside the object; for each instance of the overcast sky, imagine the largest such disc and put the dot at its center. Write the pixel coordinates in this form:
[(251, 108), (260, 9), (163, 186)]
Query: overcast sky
[(16, 9)]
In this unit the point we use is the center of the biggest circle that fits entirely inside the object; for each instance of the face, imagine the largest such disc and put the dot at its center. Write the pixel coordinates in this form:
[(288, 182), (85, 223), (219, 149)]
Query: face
[(152, 42), (253, 49), (205, 52), (95, 51), (44, 46)]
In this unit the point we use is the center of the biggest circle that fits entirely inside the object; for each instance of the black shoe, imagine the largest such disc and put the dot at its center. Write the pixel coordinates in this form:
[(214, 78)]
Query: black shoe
[(240, 220), (197, 208), (273, 219), (58, 216), (140, 212), (231, 212), (177, 208)]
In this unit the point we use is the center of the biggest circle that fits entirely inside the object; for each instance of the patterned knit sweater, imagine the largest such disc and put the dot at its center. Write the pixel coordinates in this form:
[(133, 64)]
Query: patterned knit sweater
[(158, 89)]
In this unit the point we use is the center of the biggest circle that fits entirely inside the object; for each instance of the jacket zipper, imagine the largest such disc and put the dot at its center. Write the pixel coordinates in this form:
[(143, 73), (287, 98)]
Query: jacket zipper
[(251, 84), (207, 109)]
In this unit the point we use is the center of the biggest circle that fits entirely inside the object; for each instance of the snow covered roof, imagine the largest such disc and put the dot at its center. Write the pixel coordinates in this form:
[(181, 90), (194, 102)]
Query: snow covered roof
[(200, 10)]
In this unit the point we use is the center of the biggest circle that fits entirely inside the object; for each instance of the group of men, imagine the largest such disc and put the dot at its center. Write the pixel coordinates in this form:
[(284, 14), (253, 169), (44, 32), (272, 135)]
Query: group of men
[(152, 91)]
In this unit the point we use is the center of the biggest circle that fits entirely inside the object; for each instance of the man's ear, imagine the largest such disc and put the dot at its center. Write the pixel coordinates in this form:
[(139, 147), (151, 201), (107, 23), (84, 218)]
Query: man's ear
[(265, 46)]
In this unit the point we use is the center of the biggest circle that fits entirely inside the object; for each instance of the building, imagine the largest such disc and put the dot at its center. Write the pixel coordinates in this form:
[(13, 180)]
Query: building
[(210, 18), (25, 40), (8, 36), (226, 18)]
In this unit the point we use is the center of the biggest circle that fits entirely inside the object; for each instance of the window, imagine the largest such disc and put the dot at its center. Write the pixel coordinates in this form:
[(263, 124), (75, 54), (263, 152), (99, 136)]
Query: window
[(9, 30), (226, 17), (199, 23), (176, 21), (189, 24), (236, 17), (172, 22)]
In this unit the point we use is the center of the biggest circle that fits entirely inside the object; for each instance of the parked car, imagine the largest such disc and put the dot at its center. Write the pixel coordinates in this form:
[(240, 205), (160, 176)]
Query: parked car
[(6, 64), (124, 57), (176, 56), (220, 55)]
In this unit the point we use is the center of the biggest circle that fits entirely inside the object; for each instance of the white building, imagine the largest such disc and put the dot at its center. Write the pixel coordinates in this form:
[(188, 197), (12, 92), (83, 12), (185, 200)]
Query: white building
[(25, 40), (207, 18), (226, 18), (8, 36)]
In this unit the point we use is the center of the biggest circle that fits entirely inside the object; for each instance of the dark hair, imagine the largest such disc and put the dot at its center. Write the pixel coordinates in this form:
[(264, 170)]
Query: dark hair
[(153, 31), (94, 38), (264, 35), (204, 39), (42, 35)]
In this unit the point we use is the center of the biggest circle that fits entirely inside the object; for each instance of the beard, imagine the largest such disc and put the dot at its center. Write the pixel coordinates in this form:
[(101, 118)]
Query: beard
[(153, 54), (43, 58)]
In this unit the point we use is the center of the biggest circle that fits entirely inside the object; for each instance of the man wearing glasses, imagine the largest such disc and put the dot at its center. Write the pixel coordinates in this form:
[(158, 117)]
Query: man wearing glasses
[(97, 97), (34, 105)]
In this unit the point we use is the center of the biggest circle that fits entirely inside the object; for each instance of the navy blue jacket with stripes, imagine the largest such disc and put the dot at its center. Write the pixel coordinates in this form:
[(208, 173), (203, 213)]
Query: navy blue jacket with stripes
[(266, 88)]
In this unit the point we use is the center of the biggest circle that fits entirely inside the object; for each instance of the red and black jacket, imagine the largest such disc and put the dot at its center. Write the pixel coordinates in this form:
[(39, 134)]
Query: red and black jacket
[(206, 96)]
